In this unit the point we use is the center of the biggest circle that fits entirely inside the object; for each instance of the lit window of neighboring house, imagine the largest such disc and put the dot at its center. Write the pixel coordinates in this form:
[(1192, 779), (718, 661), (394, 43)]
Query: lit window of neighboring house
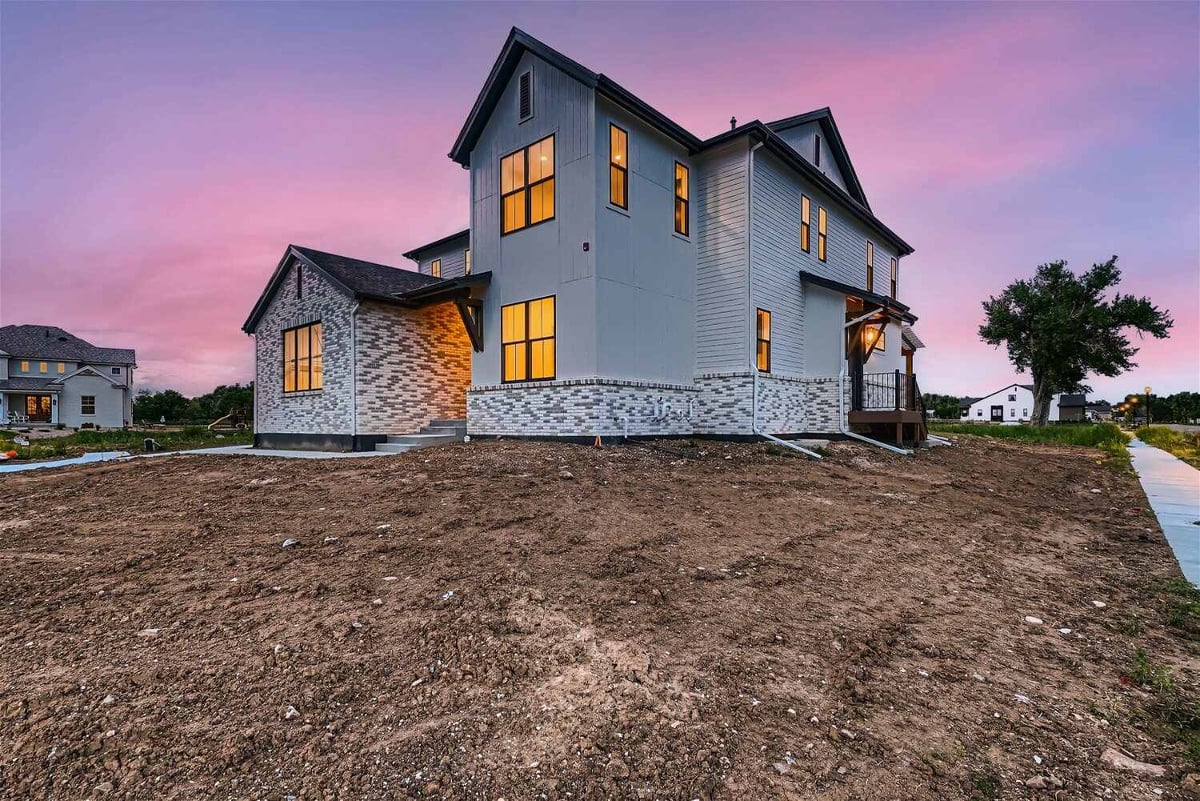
[(435, 268), (87, 404), (43, 367), (618, 167), (24, 367), (303, 358), (527, 186), (870, 266), (822, 228), (805, 222), (527, 340), (467, 261), (681, 199), (62, 368)]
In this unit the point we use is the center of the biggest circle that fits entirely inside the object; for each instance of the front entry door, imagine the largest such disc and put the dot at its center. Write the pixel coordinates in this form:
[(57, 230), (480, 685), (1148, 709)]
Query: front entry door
[(997, 414), (37, 408)]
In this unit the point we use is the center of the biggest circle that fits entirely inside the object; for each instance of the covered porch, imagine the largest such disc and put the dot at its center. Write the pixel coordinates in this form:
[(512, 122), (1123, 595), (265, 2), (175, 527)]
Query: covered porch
[(28, 407)]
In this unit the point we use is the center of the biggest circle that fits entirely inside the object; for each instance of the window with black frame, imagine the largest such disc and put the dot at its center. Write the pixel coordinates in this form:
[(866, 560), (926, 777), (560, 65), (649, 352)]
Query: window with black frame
[(618, 167), (527, 186), (303, 358)]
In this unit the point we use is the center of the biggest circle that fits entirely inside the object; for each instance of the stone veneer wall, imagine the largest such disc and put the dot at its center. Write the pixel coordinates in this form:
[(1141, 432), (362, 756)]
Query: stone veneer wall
[(717, 404), (414, 365), (323, 411)]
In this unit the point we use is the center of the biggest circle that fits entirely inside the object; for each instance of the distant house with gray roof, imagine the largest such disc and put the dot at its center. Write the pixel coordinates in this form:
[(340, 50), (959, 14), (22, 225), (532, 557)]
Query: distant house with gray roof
[(49, 376)]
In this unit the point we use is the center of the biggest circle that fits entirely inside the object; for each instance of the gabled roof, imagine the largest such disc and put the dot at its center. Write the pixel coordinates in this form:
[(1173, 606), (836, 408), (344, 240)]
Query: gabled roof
[(415, 253), (886, 304), (910, 337), (361, 280), (516, 45), (833, 137), (1072, 399), (85, 370), (52, 343)]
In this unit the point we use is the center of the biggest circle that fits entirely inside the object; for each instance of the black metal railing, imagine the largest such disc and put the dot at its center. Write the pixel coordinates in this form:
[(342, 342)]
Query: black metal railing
[(885, 392)]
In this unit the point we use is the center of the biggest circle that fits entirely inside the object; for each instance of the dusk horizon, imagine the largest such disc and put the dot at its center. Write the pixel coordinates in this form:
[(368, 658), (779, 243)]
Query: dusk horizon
[(157, 160)]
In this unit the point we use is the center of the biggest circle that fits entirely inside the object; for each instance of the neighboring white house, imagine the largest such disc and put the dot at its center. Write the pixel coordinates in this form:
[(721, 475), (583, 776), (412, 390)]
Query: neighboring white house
[(51, 377), (1014, 404), (620, 275)]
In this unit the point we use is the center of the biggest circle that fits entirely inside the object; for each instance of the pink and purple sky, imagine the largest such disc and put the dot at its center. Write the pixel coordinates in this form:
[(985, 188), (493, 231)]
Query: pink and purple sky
[(155, 159)]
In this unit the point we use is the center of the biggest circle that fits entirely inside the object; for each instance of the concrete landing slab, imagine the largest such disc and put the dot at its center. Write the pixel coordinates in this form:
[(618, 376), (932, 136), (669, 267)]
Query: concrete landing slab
[(1173, 488)]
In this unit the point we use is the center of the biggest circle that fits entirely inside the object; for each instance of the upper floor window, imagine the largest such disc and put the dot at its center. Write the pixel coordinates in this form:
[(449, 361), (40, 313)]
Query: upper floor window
[(762, 350), (43, 367), (527, 186), (618, 167), (895, 265), (870, 266), (303, 358), (822, 233), (467, 261), (681, 199), (435, 268), (87, 404), (525, 96), (114, 370), (24, 367), (817, 150), (62, 368), (1012, 398), (527, 340), (805, 222)]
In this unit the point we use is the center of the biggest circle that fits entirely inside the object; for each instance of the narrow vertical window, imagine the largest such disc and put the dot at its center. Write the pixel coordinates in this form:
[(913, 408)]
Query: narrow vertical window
[(42, 367), (525, 96), (24, 367), (303, 358), (618, 167), (299, 283), (435, 268), (681, 199), (817, 150), (762, 352), (822, 224), (805, 222), (62, 368), (527, 340), (467, 261), (870, 266), (895, 277), (527, 186)]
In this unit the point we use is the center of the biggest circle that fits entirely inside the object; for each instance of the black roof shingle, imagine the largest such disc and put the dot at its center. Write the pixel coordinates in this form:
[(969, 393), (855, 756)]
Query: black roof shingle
[(54, 344)]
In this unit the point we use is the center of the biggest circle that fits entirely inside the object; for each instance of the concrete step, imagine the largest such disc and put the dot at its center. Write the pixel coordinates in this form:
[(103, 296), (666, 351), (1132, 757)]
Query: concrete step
[(446, 431), (391, 447), (422, 440), (448, 423)]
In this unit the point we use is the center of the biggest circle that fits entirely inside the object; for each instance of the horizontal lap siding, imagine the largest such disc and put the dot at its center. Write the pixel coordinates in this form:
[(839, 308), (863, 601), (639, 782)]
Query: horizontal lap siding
[(775, 256), (720, 215), (453, 256)]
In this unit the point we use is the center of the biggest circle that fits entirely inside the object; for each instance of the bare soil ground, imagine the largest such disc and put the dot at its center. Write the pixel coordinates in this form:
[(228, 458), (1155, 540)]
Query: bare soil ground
[(525, 620)]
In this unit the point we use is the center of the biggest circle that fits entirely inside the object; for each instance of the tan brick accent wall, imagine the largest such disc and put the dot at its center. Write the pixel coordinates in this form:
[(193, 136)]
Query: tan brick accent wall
[(414, 365)]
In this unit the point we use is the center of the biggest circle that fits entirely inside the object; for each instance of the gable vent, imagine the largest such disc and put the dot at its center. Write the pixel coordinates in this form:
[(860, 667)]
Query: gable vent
[(525, 95)]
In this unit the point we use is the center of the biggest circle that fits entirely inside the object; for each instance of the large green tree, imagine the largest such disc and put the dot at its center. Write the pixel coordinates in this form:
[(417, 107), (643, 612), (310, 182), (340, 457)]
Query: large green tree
[(1060, 327)]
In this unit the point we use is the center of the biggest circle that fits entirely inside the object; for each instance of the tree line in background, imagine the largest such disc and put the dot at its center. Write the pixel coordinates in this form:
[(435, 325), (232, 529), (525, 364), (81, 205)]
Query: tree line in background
[(1182, 407), (173, 407)]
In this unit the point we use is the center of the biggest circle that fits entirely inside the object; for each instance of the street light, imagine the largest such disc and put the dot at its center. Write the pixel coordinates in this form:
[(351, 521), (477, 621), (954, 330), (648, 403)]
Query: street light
[(1147, 405)]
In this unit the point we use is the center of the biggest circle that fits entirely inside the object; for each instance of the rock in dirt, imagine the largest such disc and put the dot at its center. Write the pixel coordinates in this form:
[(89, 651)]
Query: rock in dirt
[(1035, 621), (1115, 759), (566, 475), (1191, 785), (108, 699), (290, 543), (1099, 604), (148, 633), (290, 712), (1043, 783)]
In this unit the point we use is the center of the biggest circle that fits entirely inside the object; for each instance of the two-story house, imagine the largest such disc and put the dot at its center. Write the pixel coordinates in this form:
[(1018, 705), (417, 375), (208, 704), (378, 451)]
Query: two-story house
[(620, 276), (49, 376)]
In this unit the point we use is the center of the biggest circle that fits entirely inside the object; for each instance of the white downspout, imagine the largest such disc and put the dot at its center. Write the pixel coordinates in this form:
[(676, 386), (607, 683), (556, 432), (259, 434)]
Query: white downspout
[(750, 314), (842, 393), (354, 373)]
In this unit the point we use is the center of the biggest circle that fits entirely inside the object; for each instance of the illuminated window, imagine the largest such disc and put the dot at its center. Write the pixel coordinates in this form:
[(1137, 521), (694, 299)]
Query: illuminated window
[(870, 335), (303, 358), (618, 167), (527, 186), (817, 150), (435, 268), (762, 352), (681, 199), (870, 266), (43, 367), (805, 222), (87, 404), (24, 367), (62, 368), (822, 226), (527, 340), (895, 277), (467, 261)]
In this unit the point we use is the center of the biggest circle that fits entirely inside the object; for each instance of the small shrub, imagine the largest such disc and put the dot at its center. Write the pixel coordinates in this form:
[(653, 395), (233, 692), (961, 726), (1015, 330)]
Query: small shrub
[(194, 432), (1148, 674), (985, 787), (1185, 445)]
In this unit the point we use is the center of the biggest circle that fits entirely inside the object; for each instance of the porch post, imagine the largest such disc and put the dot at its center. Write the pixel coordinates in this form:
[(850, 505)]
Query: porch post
[(53, 410)]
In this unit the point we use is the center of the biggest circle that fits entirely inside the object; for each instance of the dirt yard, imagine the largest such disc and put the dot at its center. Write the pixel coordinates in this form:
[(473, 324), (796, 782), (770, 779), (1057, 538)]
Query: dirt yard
[(526, 620)]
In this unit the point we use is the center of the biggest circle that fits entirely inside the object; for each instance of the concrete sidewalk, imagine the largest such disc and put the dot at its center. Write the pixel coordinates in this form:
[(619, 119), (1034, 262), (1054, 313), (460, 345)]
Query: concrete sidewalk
[(1173, 488), (249, 450)]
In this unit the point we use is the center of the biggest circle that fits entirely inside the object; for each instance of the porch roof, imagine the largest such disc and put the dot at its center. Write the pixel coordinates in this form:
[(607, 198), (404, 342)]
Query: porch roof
[(889, 305), (446, 289), (26, 384)]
